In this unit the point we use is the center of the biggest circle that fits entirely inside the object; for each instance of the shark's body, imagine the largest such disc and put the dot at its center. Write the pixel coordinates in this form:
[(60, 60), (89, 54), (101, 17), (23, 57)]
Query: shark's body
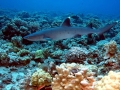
[(65, 31)]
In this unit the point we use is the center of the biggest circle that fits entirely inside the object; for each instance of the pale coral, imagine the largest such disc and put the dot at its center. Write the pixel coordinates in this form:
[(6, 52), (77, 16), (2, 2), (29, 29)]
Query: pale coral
[(40, 78), (110, 82), (111, 55), (70, 77), (111, 49), (39, 54)]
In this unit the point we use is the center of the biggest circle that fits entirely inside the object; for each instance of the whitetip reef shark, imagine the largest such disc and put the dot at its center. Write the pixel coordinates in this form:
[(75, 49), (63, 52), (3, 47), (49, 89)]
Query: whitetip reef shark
[(66, 31)]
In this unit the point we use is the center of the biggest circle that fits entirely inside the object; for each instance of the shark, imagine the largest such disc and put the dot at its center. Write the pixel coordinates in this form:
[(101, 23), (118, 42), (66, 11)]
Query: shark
[(66, 31)]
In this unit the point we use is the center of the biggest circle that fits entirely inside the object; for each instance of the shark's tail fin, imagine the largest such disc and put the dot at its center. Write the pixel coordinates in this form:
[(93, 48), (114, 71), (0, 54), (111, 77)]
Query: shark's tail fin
[(106, 28)]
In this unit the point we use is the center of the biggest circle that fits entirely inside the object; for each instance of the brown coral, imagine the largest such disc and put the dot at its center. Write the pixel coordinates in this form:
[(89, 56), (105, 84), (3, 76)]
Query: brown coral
[(76, 54), (111, 49)]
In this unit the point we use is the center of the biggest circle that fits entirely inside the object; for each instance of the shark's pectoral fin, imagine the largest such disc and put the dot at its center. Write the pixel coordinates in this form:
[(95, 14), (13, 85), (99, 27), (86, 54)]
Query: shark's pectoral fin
[(77, 35), (46, 38)]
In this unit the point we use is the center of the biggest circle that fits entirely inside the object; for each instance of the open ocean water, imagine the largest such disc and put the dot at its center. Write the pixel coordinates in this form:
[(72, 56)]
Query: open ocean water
[(105, 7)]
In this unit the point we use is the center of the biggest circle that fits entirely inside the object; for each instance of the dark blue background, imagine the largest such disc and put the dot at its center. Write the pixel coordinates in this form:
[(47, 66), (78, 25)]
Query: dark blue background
[(105, 7)]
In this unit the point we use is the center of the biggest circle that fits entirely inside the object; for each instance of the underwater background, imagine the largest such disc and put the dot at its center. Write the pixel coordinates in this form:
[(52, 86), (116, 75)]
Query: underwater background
[(90, 61), (105, 7)]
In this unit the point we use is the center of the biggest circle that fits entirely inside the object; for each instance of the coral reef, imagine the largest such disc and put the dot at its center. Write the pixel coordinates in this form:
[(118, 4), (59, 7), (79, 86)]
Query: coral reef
[(17, 41), (72, 77), (4, 59), (109, 82), (70, 64), (49, 67), (111, 49), (76, 54), (39, 54), (57, 54), (95, 22), (13, 28), (23, 14), (24, 83), (117, 38), (11, 55), (23, 52), (40, 78)]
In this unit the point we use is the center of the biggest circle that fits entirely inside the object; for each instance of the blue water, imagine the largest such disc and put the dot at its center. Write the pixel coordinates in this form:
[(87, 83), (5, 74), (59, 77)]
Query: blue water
[(105, 7)]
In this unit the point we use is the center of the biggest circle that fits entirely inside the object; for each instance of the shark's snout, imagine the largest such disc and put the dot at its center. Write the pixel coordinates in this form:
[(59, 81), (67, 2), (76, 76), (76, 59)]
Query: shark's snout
[(25, 37), (29, 37), (34, 37)]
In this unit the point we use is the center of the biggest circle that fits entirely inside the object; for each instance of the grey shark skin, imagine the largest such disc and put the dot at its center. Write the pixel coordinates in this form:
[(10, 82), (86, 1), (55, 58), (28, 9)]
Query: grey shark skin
[(65, 31)]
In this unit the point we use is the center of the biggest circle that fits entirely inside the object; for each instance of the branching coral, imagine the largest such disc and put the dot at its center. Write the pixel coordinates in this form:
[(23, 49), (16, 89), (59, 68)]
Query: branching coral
[(110, 82), (69, 77), (40, 78)]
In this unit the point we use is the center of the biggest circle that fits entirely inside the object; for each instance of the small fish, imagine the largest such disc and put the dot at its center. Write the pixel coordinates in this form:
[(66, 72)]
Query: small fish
[(66, 31), (44, 87), (40, 87)]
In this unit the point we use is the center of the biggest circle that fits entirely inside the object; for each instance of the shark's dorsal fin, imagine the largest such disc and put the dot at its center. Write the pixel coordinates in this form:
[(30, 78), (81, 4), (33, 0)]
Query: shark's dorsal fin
[(66, 22), (90, 25)]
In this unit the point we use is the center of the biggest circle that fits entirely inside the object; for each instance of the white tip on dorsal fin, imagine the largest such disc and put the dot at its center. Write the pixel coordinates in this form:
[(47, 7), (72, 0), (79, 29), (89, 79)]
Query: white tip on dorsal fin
[(66, 22)]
